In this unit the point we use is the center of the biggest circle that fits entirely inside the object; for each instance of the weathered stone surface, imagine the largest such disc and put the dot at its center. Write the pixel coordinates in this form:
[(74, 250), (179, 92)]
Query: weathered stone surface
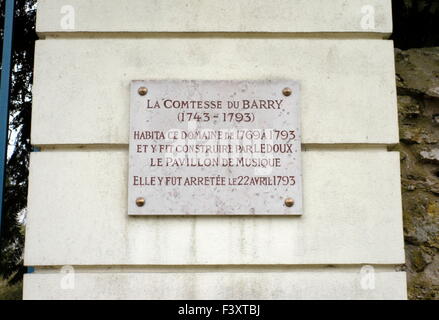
[(418, 108), (408, 107), (430, 156), (418, 71)]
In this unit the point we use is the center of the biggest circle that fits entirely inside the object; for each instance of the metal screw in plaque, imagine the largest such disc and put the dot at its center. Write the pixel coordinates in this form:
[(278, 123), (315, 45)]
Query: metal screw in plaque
[(140, 202), (287, 92), (289, 202), (142, 91), (215, 148)]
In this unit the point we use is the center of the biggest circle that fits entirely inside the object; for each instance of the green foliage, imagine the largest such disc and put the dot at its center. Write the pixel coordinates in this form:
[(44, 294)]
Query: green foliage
[(12, 235), (11, 292)]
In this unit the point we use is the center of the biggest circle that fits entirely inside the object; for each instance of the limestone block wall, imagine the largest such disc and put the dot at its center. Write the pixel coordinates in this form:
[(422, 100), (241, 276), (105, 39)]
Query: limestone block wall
[(347, 245)]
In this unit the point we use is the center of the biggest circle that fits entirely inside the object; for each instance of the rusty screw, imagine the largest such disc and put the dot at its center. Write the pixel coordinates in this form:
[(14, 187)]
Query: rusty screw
[(143, 91), (289, 202), (287, 92), (140, 202)]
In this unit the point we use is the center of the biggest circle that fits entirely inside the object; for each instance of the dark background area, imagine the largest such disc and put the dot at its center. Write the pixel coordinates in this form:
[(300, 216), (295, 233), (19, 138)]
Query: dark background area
[(416, 24)]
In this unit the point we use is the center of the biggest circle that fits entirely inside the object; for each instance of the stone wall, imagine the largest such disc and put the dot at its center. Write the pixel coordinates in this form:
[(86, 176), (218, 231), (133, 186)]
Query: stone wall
[(418, 102), (348, 244)]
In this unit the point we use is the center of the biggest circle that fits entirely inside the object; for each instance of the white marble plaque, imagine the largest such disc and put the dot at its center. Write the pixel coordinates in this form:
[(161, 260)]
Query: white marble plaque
[(214, 148)]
